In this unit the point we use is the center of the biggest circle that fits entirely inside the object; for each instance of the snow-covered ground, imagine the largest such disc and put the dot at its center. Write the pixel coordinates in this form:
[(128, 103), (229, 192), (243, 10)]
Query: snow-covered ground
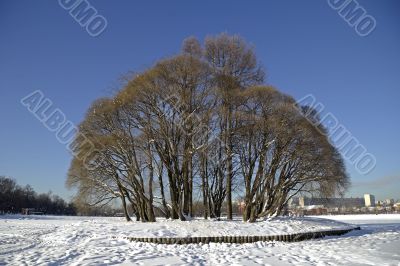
[(51, 240)]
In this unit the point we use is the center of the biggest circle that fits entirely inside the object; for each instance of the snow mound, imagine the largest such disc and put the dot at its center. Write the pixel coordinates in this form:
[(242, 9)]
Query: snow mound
[(205, 228)]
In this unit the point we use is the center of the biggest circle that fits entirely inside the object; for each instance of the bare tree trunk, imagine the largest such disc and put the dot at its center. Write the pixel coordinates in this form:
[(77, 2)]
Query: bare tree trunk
[(164, 202), (229, 188), (229, 166), (135, 210), (150, 209), (124, 207), (133, 204), (204, 185), (191, 187), (173, 195), (186, 190)]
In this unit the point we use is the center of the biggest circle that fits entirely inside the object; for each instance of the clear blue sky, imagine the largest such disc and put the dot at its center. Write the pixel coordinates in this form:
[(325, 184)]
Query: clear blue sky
[(305, 46)]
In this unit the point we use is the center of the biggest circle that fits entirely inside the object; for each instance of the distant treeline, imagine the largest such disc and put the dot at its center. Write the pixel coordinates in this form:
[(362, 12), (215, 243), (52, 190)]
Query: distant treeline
[(13, 198)]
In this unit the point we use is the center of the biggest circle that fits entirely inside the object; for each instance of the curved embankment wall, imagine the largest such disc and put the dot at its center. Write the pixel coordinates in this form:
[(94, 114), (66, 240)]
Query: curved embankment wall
[(241, 239)]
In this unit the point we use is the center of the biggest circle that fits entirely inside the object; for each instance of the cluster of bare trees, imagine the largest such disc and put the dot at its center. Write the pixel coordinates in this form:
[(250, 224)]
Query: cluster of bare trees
[(201, 123), (13, 198)]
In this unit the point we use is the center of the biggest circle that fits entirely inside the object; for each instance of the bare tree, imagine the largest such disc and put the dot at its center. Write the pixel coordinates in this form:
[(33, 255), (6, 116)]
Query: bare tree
[(235, 67), (201, 123), (282, 154)]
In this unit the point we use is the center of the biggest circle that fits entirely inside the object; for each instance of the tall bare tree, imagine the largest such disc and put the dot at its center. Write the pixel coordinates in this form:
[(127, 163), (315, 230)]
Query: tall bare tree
[(235, 68), (203, 122)]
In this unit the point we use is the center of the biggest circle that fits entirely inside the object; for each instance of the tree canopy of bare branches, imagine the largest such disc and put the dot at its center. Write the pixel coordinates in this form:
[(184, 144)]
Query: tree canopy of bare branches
[(202, 124)]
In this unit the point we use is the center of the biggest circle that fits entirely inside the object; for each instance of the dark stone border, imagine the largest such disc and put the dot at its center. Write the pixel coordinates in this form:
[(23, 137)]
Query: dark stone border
[(241, 239)]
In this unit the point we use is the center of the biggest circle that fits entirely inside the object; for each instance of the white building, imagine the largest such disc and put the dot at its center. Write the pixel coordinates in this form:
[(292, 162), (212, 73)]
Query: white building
[(389, 202), (369, 200)]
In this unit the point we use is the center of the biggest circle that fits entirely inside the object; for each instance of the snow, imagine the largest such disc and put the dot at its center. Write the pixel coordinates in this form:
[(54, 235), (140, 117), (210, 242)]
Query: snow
[(311, 207), (52, 240), (362, 218)]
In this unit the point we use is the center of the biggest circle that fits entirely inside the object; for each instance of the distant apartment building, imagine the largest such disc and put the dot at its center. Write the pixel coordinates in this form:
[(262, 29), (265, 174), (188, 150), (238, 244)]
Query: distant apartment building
[(389, 202), (319, 206), (331, 202), (369, 200)]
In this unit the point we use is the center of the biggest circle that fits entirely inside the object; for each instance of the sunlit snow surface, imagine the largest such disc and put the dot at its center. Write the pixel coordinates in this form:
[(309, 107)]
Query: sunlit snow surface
[(51, 240)]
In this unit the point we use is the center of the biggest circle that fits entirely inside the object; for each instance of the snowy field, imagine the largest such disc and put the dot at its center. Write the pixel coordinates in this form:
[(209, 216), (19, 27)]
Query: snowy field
[(51, 240)]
